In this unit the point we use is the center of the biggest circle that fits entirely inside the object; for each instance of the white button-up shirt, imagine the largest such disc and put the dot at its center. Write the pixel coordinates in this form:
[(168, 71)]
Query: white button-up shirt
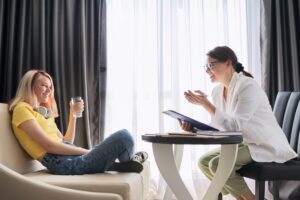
[(247, 109)]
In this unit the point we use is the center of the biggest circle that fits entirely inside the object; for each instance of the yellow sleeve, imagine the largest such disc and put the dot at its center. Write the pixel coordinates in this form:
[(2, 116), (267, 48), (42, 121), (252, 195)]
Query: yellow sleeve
[(21, 114)]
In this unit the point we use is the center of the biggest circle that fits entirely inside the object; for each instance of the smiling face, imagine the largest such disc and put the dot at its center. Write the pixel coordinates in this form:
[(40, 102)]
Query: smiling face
[(42, 89), (219, 71)]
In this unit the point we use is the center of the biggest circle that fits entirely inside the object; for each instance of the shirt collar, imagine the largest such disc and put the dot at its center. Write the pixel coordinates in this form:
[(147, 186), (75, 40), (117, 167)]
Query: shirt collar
[(233, 81)]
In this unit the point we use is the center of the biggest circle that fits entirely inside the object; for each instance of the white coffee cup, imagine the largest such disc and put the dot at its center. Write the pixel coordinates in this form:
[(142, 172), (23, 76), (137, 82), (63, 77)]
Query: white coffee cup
[(76, 110)]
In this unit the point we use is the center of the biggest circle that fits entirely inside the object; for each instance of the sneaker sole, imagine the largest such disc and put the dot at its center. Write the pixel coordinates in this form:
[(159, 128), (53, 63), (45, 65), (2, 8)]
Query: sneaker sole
[(131, 166)]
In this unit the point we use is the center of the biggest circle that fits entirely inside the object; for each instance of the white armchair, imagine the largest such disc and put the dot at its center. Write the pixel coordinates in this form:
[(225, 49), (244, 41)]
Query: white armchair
[(15, 186), (26, 179)]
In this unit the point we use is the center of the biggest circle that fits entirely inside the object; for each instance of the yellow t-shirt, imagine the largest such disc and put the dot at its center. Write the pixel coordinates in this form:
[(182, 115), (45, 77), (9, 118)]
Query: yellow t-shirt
[(23, 112)]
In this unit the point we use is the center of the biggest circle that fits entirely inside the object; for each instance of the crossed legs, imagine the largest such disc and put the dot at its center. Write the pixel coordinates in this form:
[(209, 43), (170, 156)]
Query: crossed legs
[(235, 185)]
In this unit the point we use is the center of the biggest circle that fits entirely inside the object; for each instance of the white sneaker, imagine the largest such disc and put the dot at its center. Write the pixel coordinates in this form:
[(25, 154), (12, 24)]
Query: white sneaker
[(140, 156)]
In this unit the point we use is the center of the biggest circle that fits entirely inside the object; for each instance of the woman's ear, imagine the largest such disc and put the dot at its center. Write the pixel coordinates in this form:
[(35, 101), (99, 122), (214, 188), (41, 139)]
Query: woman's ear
[(228, 62)]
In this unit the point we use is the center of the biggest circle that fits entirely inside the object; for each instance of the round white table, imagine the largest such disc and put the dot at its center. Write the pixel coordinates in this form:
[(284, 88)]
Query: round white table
[(162, 146)]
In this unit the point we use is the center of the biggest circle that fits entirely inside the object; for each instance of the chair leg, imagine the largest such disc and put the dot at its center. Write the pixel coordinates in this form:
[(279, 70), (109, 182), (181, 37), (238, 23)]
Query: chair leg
[(220, 196), (259, 190), (275, 190)]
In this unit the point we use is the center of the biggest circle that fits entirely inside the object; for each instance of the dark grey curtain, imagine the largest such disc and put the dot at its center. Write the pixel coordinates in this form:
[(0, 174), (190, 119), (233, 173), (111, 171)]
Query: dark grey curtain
[(66, 38), (280, 45)]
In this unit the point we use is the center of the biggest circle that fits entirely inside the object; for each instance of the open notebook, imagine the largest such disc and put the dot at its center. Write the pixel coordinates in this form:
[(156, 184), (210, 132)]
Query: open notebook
[(203, 129), (193, 122)]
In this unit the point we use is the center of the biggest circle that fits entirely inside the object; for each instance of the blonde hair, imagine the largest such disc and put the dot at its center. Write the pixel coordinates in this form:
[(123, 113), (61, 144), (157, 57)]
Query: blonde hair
[(25, 92)]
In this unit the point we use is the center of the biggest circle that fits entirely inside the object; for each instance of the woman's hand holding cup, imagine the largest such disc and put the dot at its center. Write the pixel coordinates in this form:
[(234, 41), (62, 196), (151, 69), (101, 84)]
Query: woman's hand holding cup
[(77, 106)]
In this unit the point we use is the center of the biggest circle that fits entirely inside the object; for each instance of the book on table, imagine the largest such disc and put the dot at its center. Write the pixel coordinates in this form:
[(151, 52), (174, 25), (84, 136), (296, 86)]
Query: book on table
[(206, 133), (219, 133)]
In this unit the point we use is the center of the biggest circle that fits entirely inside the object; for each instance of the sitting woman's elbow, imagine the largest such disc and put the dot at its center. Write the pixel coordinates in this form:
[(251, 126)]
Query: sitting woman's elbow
[(49, 147), (233, 125)]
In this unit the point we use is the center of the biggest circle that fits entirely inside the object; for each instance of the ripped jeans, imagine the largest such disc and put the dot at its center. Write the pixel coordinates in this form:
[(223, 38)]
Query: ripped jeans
[(119, 145)]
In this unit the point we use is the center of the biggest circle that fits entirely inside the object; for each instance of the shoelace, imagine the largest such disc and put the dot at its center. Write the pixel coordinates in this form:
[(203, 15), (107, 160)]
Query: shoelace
[(139, 157)]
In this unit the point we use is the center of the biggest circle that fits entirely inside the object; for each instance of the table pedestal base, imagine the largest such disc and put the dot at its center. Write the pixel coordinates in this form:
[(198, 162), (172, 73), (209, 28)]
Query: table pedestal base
[(164, 158), (225, 166)]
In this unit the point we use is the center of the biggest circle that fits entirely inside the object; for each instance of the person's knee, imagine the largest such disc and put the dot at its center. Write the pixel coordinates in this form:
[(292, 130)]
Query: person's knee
[(213, 165), (125, 137), (203, 163)]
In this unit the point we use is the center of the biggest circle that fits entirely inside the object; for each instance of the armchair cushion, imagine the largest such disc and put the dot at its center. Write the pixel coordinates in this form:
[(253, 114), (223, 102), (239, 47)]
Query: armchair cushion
[(17, 187), (130, 186)]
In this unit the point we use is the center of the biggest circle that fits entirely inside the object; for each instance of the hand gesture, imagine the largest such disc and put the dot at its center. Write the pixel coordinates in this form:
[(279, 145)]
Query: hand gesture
[(197, 97)]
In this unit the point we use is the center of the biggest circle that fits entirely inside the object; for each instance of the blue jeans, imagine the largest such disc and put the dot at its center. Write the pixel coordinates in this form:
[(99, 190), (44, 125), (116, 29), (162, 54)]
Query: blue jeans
[(119, 145)]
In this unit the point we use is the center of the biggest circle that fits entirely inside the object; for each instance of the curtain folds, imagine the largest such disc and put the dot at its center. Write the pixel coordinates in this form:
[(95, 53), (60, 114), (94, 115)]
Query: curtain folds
[(280, 56), (67, 39), (280, 46), (160, 54)]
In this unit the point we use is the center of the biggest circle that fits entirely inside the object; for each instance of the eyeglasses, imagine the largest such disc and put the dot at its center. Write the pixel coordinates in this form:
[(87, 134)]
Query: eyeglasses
[(210, 65)]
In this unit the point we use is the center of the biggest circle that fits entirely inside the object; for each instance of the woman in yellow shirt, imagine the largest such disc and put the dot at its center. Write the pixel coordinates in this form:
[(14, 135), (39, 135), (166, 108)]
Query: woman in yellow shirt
[(39, 136)]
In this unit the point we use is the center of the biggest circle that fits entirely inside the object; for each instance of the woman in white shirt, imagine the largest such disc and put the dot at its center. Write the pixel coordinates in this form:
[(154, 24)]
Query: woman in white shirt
[(239, 104)]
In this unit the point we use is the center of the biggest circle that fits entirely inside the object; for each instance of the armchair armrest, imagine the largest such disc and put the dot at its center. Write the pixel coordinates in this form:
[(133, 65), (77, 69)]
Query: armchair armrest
[(15, 186)]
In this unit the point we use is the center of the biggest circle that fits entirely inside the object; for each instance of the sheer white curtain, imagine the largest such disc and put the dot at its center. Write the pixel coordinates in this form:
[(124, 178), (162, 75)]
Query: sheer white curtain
[(156, 50)]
